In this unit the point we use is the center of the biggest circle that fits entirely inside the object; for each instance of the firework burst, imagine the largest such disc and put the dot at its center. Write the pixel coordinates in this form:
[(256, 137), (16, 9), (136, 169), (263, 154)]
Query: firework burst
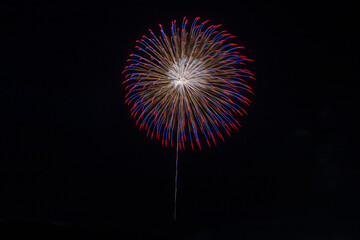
[(189, 85)]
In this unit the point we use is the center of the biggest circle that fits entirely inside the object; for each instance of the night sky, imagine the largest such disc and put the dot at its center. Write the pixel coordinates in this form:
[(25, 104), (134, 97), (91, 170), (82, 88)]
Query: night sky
[(74, 165)]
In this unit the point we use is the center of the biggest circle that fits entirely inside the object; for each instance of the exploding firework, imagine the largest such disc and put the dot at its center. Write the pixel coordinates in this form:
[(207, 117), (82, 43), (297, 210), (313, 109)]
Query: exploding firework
[(189, 86)]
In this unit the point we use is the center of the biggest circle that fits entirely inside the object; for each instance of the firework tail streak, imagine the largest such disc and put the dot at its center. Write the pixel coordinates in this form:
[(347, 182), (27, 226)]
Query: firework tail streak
[(189, 87)]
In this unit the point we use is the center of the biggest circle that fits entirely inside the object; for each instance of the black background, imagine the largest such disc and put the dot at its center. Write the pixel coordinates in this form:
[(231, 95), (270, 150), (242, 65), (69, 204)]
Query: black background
[(74, 165)]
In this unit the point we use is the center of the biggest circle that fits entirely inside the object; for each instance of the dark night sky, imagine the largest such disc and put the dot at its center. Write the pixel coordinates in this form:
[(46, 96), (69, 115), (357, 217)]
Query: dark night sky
[(71, 154)]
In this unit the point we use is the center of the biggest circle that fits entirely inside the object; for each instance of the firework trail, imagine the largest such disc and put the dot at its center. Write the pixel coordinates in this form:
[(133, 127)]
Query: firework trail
[(188, 87)]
